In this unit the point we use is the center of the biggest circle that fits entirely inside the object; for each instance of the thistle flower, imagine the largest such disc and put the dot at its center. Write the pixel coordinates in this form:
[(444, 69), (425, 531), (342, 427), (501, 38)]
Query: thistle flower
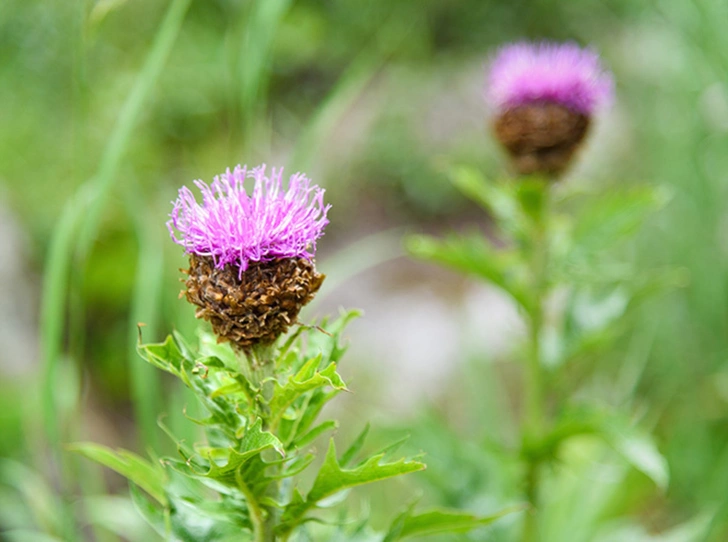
[(543, 97), (251, 255)]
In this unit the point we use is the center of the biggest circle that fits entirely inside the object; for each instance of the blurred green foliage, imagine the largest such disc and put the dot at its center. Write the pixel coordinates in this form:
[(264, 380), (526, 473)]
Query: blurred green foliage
[(347, 88)]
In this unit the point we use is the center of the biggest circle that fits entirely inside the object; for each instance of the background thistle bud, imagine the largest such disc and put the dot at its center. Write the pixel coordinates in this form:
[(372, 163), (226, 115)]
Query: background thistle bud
[(543, 97), (251, 256)]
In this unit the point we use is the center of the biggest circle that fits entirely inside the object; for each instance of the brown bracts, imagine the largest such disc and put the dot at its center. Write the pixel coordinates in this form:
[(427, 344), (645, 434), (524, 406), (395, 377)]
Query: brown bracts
[(254, 308), (541, 138)]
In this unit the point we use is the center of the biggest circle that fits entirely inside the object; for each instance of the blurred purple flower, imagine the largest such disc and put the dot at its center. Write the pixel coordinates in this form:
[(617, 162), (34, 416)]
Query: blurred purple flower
[(564, 74), (235, 228)]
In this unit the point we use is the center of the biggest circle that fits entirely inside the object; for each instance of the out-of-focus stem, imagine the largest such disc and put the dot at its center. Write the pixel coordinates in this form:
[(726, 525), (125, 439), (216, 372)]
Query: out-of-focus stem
[(534, 389)]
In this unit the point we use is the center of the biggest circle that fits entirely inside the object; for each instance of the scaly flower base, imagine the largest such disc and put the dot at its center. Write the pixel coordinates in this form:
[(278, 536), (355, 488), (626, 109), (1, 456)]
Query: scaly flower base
[(254, 307)]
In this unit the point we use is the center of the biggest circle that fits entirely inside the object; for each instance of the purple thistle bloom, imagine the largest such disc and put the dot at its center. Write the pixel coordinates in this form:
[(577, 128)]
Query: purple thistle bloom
[(235, 228), (563, 74)]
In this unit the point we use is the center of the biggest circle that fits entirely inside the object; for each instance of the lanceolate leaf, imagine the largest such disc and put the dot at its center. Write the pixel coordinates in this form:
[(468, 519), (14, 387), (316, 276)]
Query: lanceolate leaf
[(355, 447), (149, 477), (491, 197), (153, 514), (472, 254), (311, 435), (635, 446), (610, 218), (641, 452), (441, 521)]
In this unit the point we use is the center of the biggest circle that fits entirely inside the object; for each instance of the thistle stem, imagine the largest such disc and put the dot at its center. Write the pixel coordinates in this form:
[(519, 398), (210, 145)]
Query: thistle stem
[(257, 517), (259, 368), (534, 407)]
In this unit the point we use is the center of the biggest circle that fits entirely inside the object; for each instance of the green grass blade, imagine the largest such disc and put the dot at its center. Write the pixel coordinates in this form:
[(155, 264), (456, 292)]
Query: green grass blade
[(128, 118), (146, 388)]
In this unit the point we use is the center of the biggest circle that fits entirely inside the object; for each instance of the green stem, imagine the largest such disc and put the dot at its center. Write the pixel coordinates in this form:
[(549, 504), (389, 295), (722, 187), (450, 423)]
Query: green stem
[(535, 417), (257, 516), (258, 366), (533, 429)]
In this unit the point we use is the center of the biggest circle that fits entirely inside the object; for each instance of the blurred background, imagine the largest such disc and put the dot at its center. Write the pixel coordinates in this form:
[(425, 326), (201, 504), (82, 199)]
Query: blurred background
[(107, 107)]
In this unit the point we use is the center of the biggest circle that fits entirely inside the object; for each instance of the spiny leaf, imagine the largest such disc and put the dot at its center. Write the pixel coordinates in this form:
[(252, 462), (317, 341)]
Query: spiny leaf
[(256, 440), (166, 356), (305, 380), (332, 478), (224, 465), (138, 470)]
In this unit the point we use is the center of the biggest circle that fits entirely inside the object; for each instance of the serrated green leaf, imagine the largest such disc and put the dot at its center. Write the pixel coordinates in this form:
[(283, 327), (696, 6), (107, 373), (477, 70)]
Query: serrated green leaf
[(332, 478), (441, 521), (307, 379), (141, 472), (256, 440), (183, 345), (252, 443), (227, 469), (166, 356)]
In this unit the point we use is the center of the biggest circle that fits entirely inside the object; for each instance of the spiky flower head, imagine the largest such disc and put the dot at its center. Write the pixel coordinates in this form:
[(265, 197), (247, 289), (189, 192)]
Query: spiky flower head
[(251, 255), (236, 228), (558, 73), (543, 96)]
